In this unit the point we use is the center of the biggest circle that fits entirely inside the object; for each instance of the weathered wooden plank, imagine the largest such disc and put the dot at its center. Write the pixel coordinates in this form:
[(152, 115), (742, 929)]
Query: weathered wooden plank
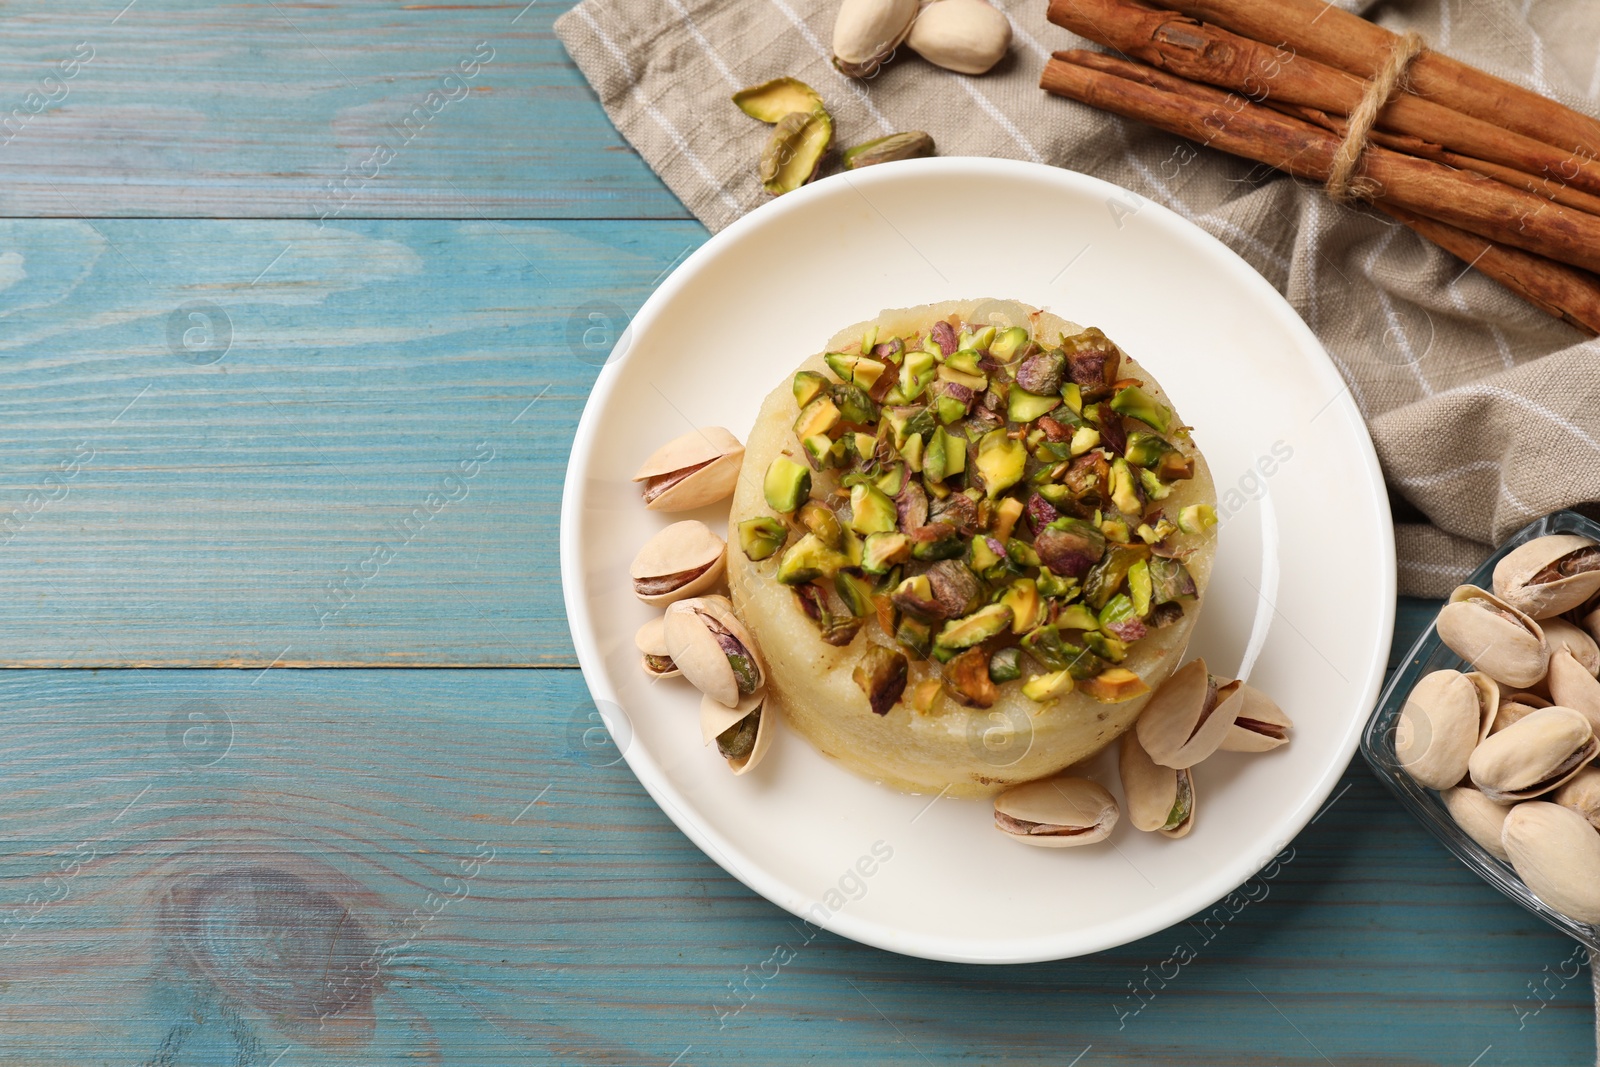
[(342, 109), (237, 442), (357, 867)]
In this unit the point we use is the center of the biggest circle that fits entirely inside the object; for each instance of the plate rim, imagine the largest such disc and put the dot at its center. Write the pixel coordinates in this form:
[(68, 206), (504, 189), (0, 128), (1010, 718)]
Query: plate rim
[(649, 772)]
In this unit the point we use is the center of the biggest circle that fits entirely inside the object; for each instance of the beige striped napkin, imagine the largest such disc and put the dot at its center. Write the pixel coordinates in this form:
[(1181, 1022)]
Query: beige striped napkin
[(1486, 413)]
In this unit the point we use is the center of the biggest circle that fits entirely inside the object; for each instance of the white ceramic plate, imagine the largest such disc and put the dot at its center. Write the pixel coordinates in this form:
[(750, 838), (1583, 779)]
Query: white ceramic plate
[(1302, 598)]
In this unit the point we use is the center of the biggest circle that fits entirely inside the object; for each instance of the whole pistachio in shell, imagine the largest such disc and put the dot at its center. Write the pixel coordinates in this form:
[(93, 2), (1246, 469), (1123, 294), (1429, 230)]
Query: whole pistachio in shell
[(714, 650), (1572, 686), (1582, 795), (1515, 706), (1159, 798), (1494, 637), (742, 733), (1533, 756), (1559, 634), (699, 468), (1186, 719), (966, 36), (1445, 717), (651, 640), (866, 33), (1056, 812), (1478, 816), (1259, 724), (1549, 575), (1557, 854), (682, 560)]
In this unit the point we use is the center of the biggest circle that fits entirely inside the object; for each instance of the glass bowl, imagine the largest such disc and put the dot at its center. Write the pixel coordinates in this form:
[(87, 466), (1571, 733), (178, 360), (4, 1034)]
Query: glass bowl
[(1377, 742)]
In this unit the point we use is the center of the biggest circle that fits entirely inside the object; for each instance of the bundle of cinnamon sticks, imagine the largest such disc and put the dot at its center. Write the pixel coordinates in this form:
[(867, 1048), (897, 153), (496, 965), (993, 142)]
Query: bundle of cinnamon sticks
[(1496, 174)]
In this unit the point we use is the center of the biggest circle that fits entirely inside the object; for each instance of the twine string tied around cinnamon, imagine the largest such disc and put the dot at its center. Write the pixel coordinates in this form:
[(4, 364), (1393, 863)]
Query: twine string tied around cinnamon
[(1343, 183)]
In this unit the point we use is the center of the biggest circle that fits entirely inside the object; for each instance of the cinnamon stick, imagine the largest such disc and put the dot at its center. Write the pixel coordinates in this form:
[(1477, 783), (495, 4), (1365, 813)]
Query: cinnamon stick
[(1569, 294), (1199, 52), (1462, 199), (1318, 30)]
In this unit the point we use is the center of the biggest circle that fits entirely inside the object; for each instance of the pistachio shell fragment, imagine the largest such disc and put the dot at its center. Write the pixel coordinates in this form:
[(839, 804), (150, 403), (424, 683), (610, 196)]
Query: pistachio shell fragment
[(1494, 637), (771, 101), (914, 144), (699, 468), (651, 640), (714, 650), (866, 33), (1572, 686), (1443, 720), (1478, 816), (682, 560), (1184, 721), (1582, 795), (1160, 799), (1056, 812), (1533, 756), (1259, 725), (743, 733), (795, 150), (966, 36), (1557, 854), (1549, 575), (1559, 634)]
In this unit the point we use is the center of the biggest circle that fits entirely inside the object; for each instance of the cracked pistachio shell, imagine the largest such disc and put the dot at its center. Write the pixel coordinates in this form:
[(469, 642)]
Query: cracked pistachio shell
[(966, 36), (716, 719), (1559, 634), (651, 641), (1187, 718), (1549, 575), (699, 468), (1479, 817), (1557, 854), (1582, 795), (1494, 637), (1445, 717), (682, 560), (1572, 686), (1515, 706), (1152, 790), (1259, 725), (693, 630), (866, 33), (1056, 812), (1533, 756)]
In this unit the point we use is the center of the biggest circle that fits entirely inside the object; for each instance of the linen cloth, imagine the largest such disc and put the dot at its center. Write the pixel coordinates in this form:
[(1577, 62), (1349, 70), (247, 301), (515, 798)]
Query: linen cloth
[(1485, 411)]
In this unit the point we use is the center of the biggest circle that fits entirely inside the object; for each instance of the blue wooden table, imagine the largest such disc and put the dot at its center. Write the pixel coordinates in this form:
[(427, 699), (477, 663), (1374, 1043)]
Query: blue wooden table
[(296, 765)]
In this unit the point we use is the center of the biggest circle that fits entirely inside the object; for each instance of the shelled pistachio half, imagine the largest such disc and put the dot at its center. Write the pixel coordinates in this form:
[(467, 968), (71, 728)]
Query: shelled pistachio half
[(1056, 812)]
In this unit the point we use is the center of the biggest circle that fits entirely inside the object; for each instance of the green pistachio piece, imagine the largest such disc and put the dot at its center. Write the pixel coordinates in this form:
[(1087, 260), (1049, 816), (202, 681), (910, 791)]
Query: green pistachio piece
[(1115, 530), (857, 370), (1197, 518), (855, 405), (1023, 406), (982, 558), (1006, 514), (808, 385), (856, 592), (819, 519), (1105, 646), (871, 511), (911, 452), (1105, 578), (1005, 665), (881, 674), (739, 740), (1123, 493), (854, 547), (820, 451), (1046, 687), (761, 537), (1053, 585), (1021, 553), (914, 596), (1022, 597), (1119, 608), (1137, 404), (913, 144), (917, 373), (787, 484), (1072, 395), (892, 480), (1077, 617), (1139, 588), (1183, 804), (1001, 462), (948, 373), (1169, 580), (915, 635), (976, 341), (881, 551), (1114, 685), (936, 457), (794, 151), (819, 415), (869, 338), (975, 628), (949, 546), (1083, 439), (1153, 487), (965, 360), (1145, 449), (771, 101), (949, 409), (809, 559), (1007, 343)]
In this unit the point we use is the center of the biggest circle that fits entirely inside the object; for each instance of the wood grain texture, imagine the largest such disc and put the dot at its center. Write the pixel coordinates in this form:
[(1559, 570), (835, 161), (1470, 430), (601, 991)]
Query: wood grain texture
[(298, 110), (360, 867), (158, 508)]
